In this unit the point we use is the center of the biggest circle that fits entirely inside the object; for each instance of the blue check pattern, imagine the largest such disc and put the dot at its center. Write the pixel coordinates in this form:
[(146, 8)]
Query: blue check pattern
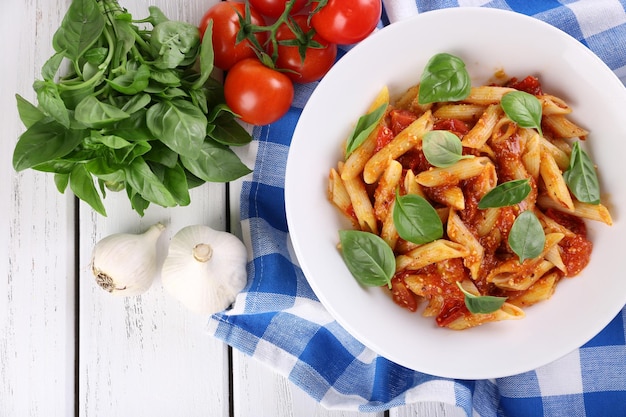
[(278, 320)]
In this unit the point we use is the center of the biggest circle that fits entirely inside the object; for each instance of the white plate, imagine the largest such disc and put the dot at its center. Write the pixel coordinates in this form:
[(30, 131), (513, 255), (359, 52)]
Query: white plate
[(487, 40)]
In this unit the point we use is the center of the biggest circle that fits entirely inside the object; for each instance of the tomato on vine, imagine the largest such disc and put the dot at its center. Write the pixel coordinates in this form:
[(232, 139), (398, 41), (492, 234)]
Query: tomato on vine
[(257, 93), (275, 8), (227, 47), (305, 55), (345, 21)]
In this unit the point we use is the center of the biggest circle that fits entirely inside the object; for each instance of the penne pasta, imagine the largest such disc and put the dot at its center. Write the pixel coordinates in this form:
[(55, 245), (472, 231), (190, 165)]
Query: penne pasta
[(474, 252), (462, 170), (406, 140)]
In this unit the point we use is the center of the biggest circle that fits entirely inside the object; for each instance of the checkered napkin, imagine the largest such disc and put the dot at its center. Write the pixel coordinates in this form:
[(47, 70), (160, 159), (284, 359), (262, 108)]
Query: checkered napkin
[(278, 320)]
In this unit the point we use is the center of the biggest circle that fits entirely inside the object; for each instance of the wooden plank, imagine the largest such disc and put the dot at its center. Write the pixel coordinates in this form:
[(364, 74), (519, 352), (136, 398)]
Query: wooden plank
[(37, 285), (148, 355)]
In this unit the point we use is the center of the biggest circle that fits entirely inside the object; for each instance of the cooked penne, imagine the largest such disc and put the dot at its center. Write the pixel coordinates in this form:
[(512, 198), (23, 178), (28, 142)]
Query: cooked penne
[(462, 170), (483, 129), (460, 111), (361, 204), (430, 253), (596, 212), (460, 233), (406, 140), (477, 250), (555, 184), (486, 95), (551, 105), (562, 127), (385, 193), (337, 192)]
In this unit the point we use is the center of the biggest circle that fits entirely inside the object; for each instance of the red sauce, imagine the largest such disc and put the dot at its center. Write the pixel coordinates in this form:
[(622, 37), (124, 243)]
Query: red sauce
[(400, 120), (530, 85), (455, 126)]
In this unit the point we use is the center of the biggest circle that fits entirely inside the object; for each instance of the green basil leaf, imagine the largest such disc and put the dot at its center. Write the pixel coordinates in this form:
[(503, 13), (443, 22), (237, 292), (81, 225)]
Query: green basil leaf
[(442, 148), (44, 141), (368, 257), (50, 68), (61, 181), (140, 177), (364, 126), (175, 181), (481, 304), (415, 219), (206, 56), (523, 108), (136, 103), (445, 78), (93, 113), (132, 82), (527, 238), (81, 27), (215, 163), (175, 43), (228, 131), (29, 113), (82, 185), (179, 124), (506, 194), (581, 177), (51, 102)]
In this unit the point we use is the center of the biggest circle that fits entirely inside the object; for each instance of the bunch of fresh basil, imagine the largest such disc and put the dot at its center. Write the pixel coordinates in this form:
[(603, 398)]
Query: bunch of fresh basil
[(136, 110)]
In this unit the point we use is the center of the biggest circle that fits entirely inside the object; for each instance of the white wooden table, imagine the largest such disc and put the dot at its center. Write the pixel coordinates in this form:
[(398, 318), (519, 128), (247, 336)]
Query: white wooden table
[(68, 348)]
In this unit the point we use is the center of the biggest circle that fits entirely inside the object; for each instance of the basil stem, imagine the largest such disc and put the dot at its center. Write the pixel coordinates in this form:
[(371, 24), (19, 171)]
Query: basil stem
[(415, 219), (445, 78), (443, 148), (369, 258), (506, 194), (526, 237), (581, 177), (364, 126), (481, 304), (523, 108)]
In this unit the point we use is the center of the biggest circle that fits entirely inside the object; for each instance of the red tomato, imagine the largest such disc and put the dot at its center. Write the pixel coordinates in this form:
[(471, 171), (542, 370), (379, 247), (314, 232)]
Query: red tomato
[(274, 8), (317, 61), (225, 28), (258, 94), (347, 21)]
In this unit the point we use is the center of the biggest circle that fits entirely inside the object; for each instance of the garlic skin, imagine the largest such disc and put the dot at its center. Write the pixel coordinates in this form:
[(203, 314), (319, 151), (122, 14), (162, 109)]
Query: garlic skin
[(205, 269), (125, 264)]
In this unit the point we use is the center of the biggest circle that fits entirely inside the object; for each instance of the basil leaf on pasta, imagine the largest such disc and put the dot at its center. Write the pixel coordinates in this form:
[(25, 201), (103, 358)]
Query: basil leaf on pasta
[(581, 177), (364, 126), (442, 148), (415, 219), (506, 194), (481, 304), (369, 258), (445, 78), (527, 237), (523, 108)]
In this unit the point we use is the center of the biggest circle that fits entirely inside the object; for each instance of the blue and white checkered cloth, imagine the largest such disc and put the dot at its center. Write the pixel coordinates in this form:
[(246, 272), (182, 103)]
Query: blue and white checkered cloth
[(278, 320)]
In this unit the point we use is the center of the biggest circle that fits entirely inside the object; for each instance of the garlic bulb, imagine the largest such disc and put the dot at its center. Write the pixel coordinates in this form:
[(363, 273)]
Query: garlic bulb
[(205, 269), (125, 264)]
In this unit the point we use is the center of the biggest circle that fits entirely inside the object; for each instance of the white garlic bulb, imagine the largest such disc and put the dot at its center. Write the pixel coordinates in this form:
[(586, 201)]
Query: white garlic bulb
[(205, 269), (125, 264)]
